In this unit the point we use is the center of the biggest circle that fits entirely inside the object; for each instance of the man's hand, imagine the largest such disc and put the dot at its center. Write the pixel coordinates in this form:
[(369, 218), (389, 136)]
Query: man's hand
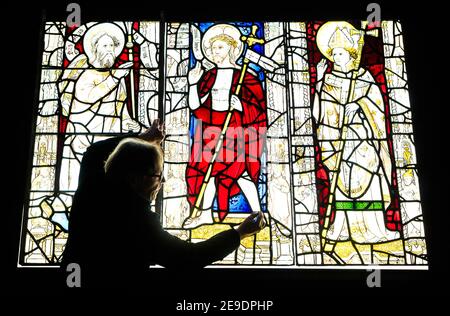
[(131, 125), (251, 225), (351, 108), (155, 133), (236, 103), (123, 70), (321, 68), (195, 74)]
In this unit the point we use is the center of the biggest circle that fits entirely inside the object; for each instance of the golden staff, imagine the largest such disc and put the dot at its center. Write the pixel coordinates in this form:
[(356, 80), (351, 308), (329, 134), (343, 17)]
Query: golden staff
[(250, 40), (350, 97)]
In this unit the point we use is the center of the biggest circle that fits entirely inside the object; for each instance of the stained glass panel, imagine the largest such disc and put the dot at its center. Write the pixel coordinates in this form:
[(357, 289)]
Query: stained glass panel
[(323, 108)]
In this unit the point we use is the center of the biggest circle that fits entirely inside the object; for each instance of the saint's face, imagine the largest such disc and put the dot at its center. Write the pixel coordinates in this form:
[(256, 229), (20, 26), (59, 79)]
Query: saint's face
[(220, 50), (341, 57), (105, 52)]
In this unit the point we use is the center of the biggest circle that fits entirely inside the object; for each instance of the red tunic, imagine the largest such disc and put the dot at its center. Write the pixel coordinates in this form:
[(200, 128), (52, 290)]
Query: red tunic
[(244, 141)]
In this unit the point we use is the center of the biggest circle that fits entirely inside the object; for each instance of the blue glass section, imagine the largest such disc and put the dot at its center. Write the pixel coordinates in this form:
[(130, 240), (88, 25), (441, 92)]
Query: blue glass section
[(192, 60), (262, 187), (192, 125), (61, 220)]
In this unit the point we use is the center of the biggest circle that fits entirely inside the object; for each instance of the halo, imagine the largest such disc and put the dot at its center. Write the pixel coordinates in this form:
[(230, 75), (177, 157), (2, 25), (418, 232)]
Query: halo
[(221, 29), (324, 34), (107, 28)]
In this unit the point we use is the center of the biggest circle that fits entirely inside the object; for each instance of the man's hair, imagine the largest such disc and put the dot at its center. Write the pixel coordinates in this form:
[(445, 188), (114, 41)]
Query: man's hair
[(132, 156), (224, 38), (353, 52), (97, 38), (231, 42)]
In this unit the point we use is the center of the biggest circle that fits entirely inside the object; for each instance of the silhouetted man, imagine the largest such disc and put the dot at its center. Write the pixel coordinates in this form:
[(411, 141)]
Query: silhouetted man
[(113, 235)]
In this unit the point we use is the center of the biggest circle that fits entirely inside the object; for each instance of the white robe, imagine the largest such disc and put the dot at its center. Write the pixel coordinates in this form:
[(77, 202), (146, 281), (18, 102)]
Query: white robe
[(95, 104), (365, 170)]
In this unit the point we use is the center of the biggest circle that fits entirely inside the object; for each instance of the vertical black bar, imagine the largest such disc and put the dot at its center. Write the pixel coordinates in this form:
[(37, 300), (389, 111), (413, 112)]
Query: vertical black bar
[(162, 67), (289, 114), (26, 200), (161, 90)]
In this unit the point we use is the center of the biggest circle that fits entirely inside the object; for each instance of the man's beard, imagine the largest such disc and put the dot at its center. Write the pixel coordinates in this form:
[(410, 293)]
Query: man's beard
[(218, 59), (106, 60)]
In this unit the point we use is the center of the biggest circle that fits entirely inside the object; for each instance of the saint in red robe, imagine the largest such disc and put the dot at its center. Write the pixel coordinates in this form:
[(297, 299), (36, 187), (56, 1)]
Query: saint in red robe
[(244, 141)]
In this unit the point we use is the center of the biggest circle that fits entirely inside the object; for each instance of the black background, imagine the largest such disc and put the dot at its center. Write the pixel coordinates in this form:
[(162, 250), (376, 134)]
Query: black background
[(426, 54)]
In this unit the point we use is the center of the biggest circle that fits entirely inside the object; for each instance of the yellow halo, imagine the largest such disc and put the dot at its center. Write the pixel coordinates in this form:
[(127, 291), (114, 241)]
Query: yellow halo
[(326, 31), (103, 28), (222, 30)]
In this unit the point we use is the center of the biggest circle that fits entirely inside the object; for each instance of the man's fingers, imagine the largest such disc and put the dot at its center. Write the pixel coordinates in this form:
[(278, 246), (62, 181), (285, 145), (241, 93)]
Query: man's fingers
[(199, 72), (350, 112), (126, 65), (262, 224), (196, 69), (253, 215), (161, 127)]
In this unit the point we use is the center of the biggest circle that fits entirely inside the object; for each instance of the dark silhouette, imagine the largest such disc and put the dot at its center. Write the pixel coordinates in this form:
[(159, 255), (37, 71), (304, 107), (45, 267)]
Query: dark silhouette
[(113, 235)]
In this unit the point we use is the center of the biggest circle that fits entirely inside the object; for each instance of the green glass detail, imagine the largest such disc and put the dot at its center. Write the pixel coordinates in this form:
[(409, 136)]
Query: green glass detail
[(366, 205)]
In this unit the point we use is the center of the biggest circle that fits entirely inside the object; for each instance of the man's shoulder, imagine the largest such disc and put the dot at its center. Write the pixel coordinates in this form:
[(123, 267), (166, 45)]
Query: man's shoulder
[(152, 215), (365, 75), (210, 73), (108, 143), (250, 75)]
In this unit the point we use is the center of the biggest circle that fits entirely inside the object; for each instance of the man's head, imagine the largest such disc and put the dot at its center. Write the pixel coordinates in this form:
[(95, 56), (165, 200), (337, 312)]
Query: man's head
[(104, 46), (137, 164), (339, 42), (103, 43), (222, 47), (342, 56)]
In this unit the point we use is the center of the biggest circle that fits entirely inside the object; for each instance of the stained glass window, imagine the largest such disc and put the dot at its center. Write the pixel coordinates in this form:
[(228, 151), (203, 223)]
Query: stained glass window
[(323, 107)]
